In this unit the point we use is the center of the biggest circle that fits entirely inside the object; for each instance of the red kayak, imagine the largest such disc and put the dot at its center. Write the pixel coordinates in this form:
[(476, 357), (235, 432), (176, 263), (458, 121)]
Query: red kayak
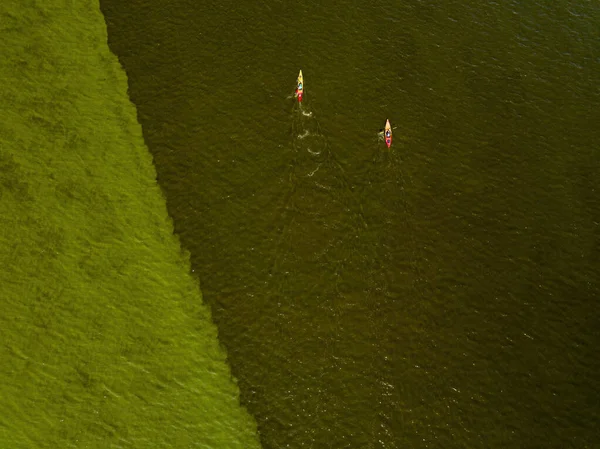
[(388, 134)]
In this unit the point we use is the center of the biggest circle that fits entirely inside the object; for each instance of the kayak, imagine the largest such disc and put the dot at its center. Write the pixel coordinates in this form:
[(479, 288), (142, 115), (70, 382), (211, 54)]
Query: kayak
[(300, 87), (388, 134)]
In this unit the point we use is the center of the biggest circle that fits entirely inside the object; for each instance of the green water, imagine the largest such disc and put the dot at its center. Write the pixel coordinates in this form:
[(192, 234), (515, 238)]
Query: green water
[(104, 339), (440, 294)]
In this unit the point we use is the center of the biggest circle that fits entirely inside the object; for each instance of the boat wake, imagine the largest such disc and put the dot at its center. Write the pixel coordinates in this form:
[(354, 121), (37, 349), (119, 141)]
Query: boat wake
[(310, 144), (304, 134), (308, 137)]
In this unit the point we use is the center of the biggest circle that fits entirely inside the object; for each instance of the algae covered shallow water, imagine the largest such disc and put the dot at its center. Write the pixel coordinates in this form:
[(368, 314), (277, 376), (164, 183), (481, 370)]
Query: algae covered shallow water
[(104, 339), (441, 294)]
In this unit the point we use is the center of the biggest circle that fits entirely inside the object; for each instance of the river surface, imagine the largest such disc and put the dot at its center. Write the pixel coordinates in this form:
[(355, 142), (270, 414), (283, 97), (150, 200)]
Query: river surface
[(443, 293)]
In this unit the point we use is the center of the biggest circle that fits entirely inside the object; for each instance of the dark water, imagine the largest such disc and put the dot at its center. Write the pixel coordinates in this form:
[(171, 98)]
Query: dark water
[(441, 294)]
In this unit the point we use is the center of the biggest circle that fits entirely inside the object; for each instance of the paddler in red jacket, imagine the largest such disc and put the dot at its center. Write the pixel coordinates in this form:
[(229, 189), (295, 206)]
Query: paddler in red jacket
[(299, 91)]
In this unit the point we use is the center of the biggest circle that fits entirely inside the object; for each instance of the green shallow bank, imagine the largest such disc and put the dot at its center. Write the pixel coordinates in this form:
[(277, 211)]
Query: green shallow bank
[(104, 339)]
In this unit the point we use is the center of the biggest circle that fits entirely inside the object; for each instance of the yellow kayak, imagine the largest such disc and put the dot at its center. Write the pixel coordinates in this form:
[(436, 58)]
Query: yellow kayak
[(300, 87)]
